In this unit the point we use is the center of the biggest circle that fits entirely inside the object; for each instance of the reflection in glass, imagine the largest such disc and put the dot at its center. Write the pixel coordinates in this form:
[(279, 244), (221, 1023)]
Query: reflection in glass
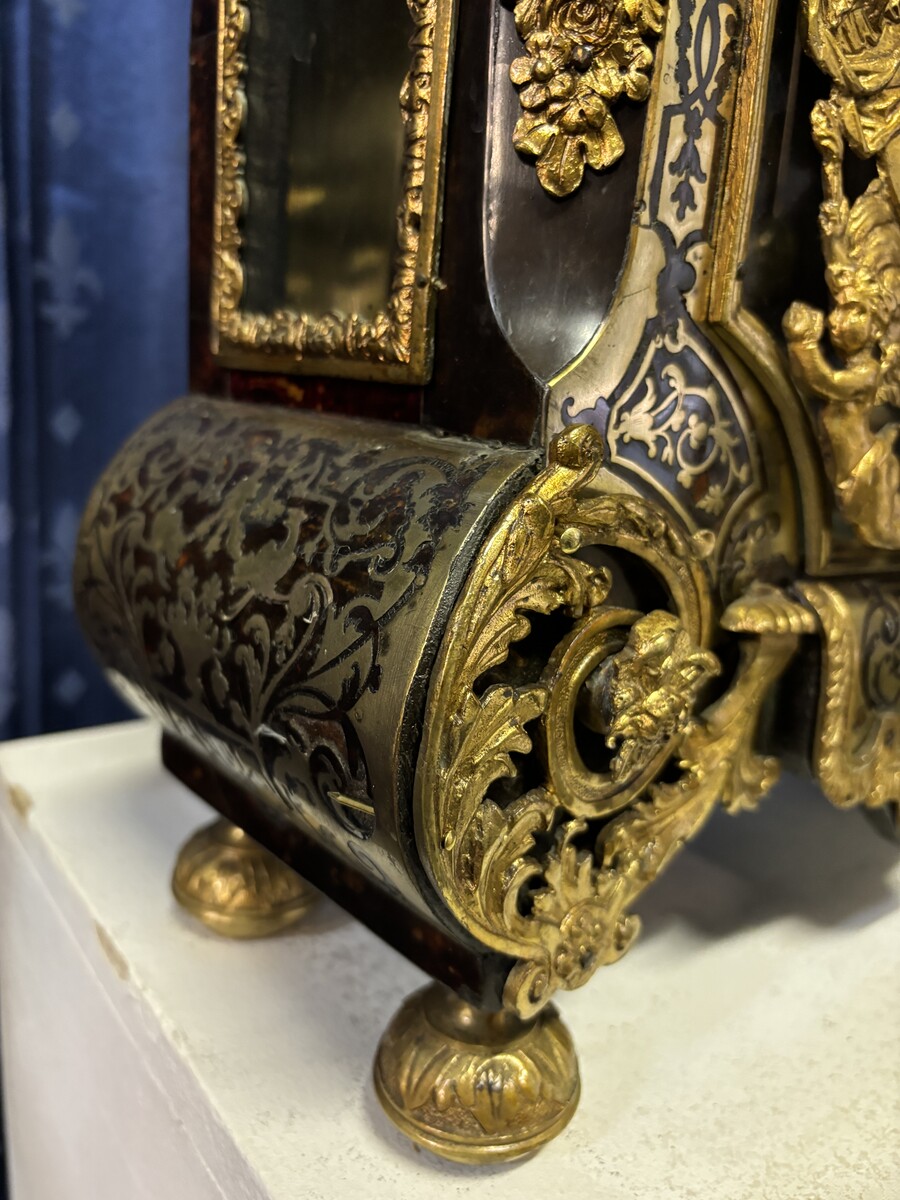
[(324, 144)]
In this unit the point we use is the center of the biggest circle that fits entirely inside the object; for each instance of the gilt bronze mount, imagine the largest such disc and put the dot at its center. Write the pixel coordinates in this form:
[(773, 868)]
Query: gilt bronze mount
[(474, 645), (389, 337), (236, 887)]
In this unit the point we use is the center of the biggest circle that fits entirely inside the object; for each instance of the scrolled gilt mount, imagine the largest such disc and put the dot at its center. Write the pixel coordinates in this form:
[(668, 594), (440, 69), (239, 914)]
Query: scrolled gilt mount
[(478, 670)]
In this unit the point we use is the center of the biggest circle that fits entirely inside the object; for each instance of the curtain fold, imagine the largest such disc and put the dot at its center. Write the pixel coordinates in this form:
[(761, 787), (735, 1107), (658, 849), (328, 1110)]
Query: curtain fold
[(93, 306)]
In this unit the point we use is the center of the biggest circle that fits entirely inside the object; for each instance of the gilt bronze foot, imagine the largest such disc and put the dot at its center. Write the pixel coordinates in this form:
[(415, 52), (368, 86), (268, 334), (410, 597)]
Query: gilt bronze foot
[(235, 886), (476, 1086)]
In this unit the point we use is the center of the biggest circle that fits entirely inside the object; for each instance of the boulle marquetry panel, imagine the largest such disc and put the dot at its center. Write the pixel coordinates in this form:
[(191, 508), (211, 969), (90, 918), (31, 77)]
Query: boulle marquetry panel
[(272, 587)]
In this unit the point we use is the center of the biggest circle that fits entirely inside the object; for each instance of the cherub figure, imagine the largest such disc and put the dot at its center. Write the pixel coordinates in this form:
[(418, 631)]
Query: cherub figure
[(859, 44)]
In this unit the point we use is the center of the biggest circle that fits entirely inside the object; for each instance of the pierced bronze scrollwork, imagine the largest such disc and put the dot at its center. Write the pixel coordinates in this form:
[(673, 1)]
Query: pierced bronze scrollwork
[(522, 859)]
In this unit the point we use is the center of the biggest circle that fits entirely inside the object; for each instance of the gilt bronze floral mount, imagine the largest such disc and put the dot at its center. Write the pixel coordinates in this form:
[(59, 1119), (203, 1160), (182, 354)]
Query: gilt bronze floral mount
[(471, 608)]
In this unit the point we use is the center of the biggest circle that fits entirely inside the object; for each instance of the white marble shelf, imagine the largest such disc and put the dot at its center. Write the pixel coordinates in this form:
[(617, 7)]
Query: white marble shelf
[(748, 1048)]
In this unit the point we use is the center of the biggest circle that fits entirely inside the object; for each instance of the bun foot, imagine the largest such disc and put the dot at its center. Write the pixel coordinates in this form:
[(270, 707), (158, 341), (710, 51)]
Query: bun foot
[(475, 1086), (236, 887)]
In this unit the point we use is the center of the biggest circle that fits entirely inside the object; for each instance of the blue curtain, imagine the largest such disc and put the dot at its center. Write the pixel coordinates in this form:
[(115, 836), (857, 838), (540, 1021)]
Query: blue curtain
[(93, 305)]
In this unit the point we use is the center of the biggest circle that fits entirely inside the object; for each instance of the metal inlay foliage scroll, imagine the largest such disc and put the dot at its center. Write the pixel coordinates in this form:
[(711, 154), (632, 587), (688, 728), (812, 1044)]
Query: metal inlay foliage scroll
[(252, 576), (582, 56), (849, 362), (675, 417), (395, 337), (880, 655), (679, 417)]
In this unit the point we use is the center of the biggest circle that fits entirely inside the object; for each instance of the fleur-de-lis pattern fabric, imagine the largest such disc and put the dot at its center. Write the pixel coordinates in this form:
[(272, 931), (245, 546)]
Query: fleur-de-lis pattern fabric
[(93, 306)]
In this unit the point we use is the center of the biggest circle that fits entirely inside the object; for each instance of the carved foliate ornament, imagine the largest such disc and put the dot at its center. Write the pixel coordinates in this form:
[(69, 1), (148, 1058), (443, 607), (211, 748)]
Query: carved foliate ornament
[(582, 56)]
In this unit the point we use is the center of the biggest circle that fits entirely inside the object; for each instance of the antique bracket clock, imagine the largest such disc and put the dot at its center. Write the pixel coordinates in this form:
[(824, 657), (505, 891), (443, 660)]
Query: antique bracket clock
[(539, 491)]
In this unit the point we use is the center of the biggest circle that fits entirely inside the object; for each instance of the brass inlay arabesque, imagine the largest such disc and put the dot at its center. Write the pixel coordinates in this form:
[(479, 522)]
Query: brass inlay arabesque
[(396, 344)]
